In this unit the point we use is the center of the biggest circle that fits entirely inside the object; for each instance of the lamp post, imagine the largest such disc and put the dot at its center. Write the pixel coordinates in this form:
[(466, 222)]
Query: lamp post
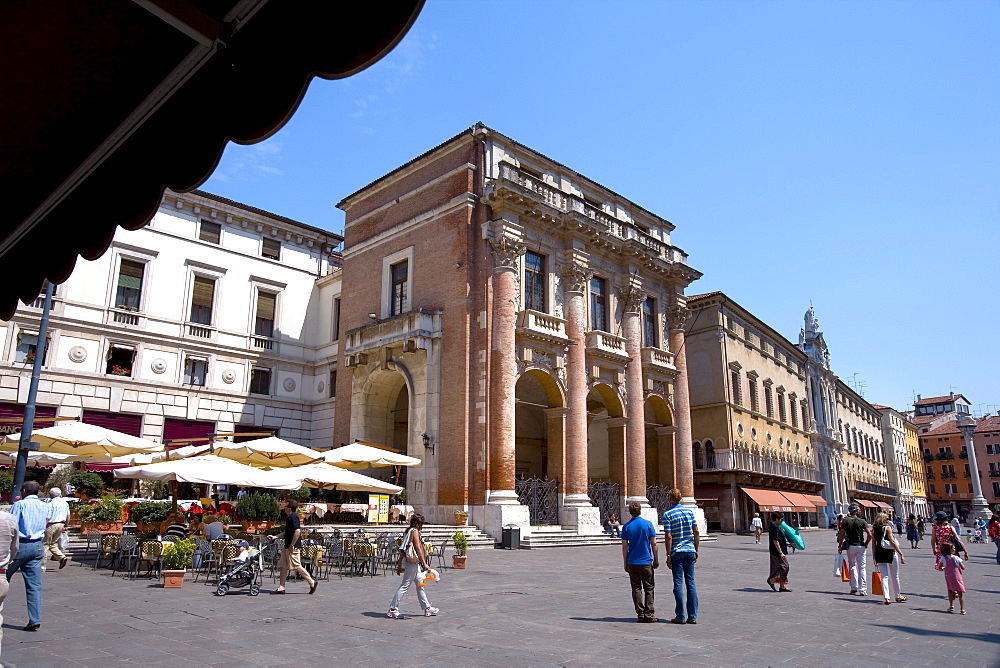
[(980, 508)]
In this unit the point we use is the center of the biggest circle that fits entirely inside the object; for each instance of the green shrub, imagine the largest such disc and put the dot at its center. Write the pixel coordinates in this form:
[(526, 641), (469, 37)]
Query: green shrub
[(87, 482), (105, 510), (257, 507), (177, 555), (302, 494), (148, 512), (6, 483), (461, 543)]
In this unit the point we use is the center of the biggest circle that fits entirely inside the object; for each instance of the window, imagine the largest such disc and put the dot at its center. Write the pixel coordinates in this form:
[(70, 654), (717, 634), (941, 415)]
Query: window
[(933, 489), (534, 281), (768, 401), (129, 292), (989, 449), (195, 370), (336, 318), (805, 415), (398, 298), (781, 407), (754, 400), (260, 381), (996, 489), (950, 488), (737, 390), (792, 412), (264, 320), (27, 346), (649, 329), (333, 384), (270, 248), (210, 232), (598, 305), (202, 298), (120, 361)]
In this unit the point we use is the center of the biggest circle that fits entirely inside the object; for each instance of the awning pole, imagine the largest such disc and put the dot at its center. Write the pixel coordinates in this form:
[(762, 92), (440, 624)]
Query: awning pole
[(28, 425)]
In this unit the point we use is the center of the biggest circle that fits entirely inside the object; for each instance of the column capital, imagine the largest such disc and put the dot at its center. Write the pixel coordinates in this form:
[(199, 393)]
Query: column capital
[(632, 298), (555, 412), (665, 431), (677, 315), (616, 422), (576, 275), (506, 251)]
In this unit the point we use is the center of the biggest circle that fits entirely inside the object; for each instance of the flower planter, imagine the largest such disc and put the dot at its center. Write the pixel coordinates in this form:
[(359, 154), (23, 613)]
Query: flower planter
[(173, 579), (256, 527), (458, 561), (147, 527), (461, 519), (103, 527)]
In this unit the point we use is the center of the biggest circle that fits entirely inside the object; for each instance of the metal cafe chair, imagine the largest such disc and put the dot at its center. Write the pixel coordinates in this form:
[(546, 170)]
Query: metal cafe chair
[(93, 541), (109, 549), (150, 555), (128, 546)]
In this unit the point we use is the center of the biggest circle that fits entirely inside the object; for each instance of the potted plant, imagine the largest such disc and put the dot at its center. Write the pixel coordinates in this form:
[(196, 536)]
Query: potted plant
[(148, 515), (176, 559), (257, 511), (461, 517), (106, 515), (225, 519), (87, 483), (461, 547), (117, 370)]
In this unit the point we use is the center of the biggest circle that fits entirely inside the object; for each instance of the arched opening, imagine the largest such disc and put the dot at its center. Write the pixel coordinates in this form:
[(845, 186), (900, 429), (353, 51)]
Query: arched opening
[(385, 419), (604, 463), (537, 452), (659, 442)]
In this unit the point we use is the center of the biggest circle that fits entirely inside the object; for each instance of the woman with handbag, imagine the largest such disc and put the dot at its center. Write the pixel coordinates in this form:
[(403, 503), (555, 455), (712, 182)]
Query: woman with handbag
[(886, 551), (942, 533), (411, 556)]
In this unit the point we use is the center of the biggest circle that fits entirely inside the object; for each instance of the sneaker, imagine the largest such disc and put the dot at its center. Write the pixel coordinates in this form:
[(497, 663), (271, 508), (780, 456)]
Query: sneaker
[(431, 611), (394, 614)]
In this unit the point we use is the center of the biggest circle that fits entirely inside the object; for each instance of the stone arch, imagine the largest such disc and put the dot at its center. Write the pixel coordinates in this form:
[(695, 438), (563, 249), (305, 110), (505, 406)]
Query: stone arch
[(658, 417), (709, 454), (604, 428), (385, 400), (538, 450)]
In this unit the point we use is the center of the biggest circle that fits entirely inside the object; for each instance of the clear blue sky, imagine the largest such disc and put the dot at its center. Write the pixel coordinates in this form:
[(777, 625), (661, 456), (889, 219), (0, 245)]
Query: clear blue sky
[(839, 153)]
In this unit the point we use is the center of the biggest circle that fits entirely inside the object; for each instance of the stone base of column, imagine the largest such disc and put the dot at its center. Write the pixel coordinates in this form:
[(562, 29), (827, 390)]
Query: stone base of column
[(586, 520), (503, 497), (980, 510), (492, 518), (699, 514), (649, 513)]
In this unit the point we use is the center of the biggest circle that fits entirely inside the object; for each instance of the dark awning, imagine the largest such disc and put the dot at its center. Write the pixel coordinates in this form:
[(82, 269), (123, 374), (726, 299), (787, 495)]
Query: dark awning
[(107, 103)]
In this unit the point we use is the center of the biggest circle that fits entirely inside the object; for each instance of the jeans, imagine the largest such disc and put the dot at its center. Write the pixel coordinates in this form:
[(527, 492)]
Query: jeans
[(409, 573), (890, 579), (640, 577), (682, 565), (996, 541), (857, 559), (28, 560)]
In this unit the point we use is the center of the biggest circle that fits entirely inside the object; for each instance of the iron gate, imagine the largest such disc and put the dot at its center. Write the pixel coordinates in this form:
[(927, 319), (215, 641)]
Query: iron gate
[(541, 495), (658, 498), (606, 496)]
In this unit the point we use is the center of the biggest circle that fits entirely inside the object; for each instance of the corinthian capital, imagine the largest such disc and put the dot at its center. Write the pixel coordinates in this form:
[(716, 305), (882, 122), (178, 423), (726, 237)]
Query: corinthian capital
[(576, 276), (506, 251), (632, 298), (677, 315)]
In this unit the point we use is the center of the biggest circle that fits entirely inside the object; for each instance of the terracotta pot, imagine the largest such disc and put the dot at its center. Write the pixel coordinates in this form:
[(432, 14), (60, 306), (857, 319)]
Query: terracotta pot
[(146, 527), (461, 519), (458, 561), (103, 527), (255, 527), (173, 579)]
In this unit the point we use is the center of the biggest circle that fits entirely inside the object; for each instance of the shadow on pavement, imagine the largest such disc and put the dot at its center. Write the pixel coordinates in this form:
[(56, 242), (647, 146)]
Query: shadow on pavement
[(754, 589), (984, 637), (626, 620)]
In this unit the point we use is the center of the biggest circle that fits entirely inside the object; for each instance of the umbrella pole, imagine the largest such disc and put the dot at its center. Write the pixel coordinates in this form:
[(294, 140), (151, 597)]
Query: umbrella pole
[(173, 495)]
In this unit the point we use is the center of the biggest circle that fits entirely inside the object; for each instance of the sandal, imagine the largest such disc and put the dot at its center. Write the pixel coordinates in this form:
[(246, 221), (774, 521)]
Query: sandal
[(888, 602), (902, 599), (963, 612)]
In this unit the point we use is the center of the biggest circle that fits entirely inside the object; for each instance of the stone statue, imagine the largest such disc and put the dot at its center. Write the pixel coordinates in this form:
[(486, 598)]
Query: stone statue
[(812, 323)]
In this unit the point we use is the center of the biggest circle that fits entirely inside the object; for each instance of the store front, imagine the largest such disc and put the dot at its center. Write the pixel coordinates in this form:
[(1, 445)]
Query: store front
[(12, 417)]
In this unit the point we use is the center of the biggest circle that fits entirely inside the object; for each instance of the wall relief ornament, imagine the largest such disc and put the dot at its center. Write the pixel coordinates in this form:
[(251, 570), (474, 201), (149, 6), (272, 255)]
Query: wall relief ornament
[(289, 385), (320, 386), (631, 299), (576, 276), (158, 365), (541, 357), (228, 376), (78, 354), (506, 252)]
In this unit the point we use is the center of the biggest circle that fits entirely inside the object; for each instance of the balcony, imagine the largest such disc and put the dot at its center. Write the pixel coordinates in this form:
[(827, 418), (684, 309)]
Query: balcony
[(945, 455), (414, 330), (262, 342), (930, 476), (658, 359), (964, 454), (728, 460), (199, 331), (995, 474), (949, 476), (606, 345), (928, 457), (874, 489), (536, 324)]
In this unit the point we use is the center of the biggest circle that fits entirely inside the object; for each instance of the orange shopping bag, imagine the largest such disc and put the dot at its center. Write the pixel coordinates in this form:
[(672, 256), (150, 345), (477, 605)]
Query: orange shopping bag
[(877, 584), (845, 571)]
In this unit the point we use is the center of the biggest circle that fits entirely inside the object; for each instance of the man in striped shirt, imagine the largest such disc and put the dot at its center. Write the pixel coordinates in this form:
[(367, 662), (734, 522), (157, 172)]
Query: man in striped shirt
[(680, 533), (32, 516)]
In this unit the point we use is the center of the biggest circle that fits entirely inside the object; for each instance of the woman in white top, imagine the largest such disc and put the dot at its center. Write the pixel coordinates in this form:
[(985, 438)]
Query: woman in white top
[(408, 569)]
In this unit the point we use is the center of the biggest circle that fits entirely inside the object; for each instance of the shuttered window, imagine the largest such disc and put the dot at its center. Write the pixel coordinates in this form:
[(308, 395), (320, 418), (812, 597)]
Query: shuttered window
[(129, 292), (195, 371), (260, 381), (271, 248), (210, 232), (202, 298), (264, 322)]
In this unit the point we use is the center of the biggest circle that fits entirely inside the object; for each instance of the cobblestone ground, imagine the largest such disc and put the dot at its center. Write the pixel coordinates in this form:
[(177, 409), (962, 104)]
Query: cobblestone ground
[(544, 607)]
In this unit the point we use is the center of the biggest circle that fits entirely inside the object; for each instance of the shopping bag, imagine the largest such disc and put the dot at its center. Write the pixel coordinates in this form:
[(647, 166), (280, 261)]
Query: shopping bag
[(845, 571), (838, 562), (877, 584)]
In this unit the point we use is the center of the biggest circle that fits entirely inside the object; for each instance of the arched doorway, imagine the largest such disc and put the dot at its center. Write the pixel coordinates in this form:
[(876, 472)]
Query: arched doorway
[(385, 419), (605, 449), (659, 422), (538, 445)]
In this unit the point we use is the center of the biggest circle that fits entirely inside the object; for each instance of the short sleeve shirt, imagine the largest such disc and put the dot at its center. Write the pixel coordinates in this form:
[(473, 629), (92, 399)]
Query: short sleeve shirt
[(679, 522), (854, 530), (637, 532), (774, 533), (214, 530), (291, 525)]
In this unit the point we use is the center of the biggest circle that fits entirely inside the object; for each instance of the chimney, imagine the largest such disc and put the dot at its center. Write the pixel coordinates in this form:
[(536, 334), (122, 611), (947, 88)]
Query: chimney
[(918, 397), (951, 395)]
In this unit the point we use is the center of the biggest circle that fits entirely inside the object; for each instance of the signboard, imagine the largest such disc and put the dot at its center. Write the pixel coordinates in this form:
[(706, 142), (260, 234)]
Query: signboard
[(378, 508)]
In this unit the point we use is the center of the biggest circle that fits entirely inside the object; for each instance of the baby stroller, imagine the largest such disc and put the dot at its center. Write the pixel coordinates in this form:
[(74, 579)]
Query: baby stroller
[(246, 572)]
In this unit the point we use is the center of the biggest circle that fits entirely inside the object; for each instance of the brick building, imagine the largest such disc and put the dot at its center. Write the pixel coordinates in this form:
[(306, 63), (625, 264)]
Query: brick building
[(521, 328)]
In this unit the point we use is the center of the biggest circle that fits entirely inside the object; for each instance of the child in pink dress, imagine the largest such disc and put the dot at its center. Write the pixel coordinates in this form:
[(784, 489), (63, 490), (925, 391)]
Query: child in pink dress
[(952, 566)]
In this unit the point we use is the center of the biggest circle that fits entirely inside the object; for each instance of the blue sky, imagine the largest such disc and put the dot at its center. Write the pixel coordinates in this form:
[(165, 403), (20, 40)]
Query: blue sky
[(838, 153)]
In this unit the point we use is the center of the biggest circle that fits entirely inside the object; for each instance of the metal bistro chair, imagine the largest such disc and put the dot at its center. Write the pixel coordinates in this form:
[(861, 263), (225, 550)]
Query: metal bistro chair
[(439, 552), (128, 550), (228, 558), (312, 560), (271, 553), (364, 557), (109, 549), (203, 559), (333, 550), (150, 555), (93, 541)]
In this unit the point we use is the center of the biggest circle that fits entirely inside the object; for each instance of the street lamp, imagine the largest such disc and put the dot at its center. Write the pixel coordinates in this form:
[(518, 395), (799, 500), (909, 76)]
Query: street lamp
[(980, 509)]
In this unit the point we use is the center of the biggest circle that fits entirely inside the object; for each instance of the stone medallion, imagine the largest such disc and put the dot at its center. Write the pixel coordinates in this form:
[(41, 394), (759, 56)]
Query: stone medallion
[(158, 365), (228, 376), (289, 385), (78, 354)]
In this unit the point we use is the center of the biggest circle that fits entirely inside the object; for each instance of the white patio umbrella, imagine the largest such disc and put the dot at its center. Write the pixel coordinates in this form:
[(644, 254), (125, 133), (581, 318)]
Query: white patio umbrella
[(182, 452), (83, 440), (361, 455), (211, 470), (269, 451), (37, 459), (325, 476)]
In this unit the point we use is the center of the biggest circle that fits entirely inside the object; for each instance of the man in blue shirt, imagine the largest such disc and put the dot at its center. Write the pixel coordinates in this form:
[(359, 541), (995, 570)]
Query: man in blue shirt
[(680, 536), (32, 516), (641, 556)]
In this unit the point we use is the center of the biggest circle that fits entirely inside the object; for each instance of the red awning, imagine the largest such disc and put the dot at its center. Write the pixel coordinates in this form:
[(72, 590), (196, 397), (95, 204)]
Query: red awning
[(108, 103), (769, 499), (884, 505), (800, 502), (866, 503), (816, 500)]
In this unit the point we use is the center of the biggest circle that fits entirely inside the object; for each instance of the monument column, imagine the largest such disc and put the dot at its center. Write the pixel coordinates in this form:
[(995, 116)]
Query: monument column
[(677, 315), (576, 509), (635, 435)]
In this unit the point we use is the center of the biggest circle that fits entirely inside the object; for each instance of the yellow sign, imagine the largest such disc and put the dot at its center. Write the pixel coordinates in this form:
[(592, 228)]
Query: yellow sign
[(378, 508)]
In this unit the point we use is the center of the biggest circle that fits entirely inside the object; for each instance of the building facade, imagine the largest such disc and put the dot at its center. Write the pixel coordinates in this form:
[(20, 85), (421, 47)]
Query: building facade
[(207, 320), (750, 418), (903, 463), (521, 328)]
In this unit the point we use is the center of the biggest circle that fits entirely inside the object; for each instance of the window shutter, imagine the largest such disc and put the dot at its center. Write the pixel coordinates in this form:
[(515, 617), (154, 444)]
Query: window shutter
[(204, 292), (265, 305), (130, 275)]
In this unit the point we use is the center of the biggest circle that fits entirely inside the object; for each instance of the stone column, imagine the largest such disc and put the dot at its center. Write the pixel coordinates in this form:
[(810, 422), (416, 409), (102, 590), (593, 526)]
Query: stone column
[(683, 450), (635, 439), (577, 509), (502, 504)]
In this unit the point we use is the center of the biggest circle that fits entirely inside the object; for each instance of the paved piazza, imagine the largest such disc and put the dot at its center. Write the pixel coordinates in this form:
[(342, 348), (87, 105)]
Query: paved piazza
[(568, 606)]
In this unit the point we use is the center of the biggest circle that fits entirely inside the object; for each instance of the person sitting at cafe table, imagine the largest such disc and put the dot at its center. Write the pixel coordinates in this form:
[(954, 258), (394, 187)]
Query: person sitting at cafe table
[(196, 526), (177, 526), (213, 528)]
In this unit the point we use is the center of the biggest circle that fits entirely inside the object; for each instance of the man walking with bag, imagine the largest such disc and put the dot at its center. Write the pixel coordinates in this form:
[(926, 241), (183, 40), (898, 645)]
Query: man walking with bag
[(854, 536), (641, 557), (59, 513)]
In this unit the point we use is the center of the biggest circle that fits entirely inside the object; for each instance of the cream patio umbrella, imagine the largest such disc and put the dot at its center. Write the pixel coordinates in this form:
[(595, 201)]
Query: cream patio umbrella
[(211, 470), (325, 476), (269, 451), (361, 455), (83, 440)]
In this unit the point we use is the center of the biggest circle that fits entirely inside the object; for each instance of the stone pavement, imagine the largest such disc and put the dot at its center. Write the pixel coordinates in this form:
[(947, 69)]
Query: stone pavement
[(566, 606)]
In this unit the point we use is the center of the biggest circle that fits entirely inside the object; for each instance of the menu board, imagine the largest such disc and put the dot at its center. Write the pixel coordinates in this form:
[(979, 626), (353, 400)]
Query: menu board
[(378, 508)]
